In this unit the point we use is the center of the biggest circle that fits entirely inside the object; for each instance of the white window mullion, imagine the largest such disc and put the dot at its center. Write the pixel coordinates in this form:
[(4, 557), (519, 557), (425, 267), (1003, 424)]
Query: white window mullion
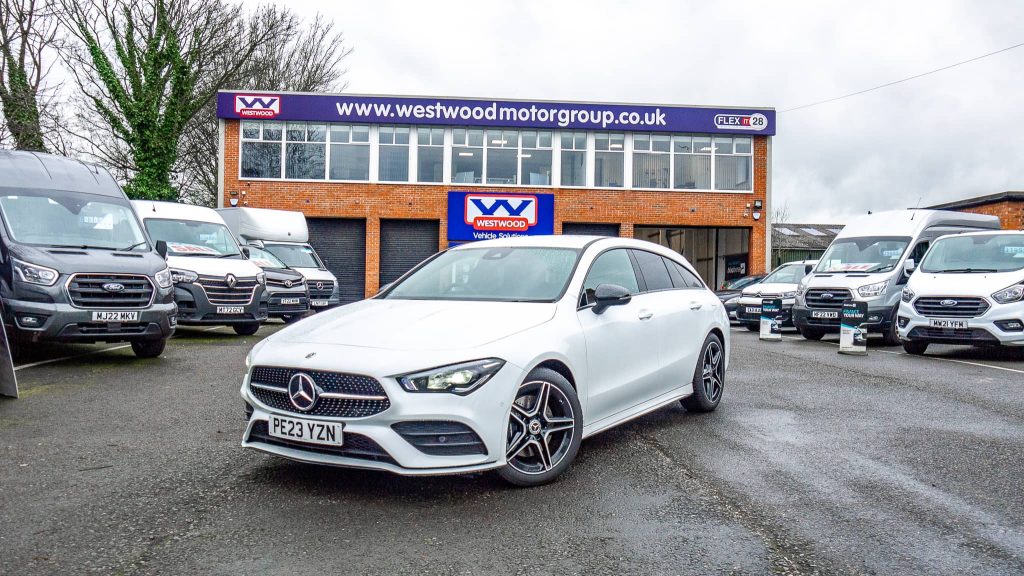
[(591, 166), (627, 161), (374, 152), (446, 157), (414, 154), (556, 158)]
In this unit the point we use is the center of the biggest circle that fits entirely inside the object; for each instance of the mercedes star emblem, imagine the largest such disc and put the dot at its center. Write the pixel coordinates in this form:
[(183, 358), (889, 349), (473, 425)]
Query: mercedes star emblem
[(302, 391), (319, 285)]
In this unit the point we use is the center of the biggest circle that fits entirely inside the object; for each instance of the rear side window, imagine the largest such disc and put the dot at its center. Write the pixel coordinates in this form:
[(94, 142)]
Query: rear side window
[(653, 268), (612, 267), (681, 276)]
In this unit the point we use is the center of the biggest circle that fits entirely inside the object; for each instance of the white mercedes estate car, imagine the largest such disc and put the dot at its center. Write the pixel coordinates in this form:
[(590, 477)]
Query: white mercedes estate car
[(497, 355)]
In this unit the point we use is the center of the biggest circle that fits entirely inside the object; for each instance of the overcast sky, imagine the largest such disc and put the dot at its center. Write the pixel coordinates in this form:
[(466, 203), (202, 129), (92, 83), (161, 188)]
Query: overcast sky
[(955, 134)]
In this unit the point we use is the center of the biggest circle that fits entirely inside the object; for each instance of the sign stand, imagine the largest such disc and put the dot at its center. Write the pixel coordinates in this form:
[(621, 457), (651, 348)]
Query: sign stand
[(771, 319), (852, 336)]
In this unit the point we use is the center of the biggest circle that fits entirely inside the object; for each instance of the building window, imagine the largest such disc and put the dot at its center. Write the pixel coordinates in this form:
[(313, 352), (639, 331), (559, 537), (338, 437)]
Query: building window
[(430, 154), (305, 151), (692, 158), (394, 154), (651, 160), (502, 156), (467, 155), (734, 163), (350, 152), (535, 158), (608, 160), (574, 158), (261, 149)]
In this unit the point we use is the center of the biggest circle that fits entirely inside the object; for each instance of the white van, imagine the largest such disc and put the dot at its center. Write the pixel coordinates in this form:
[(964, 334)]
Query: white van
[(285, 234), (969, 289), (865, 263), (780, 283), (214, 282)]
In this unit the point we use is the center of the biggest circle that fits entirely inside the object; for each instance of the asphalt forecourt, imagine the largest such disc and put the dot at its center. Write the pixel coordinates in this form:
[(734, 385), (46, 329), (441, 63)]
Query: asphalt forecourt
[(815, 462)]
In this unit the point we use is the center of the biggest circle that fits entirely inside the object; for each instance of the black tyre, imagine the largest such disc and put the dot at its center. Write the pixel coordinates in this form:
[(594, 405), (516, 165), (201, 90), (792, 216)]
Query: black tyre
[(544, 431), (149, 348), (708, 377), (753, 326), (915, 347), (292, 318), (811, 333), (891, 337), (246, 329)]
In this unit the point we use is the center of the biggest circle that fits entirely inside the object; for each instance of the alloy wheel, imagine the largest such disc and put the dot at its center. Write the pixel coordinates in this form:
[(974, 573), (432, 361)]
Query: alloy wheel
[(713, 372), (541, 426)]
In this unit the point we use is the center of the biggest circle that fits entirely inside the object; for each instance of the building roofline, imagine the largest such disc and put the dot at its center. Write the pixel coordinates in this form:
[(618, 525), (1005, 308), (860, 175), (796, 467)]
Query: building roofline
[(981, 200)]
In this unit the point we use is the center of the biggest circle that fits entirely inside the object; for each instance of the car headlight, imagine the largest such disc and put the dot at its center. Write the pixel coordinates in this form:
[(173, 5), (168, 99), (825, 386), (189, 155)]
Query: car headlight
[(261, 278), (163, 278), (458, 379), (33, 274), (248, 361), (907, 295), (733, 300), (872, 289), (788, 294), (183, 276), (1008, 295)]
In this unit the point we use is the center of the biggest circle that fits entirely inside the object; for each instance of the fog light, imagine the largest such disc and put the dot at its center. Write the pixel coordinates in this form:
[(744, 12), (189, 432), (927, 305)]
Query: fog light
[(903, 321), (30, 321), (874, 318), (1010, 325)]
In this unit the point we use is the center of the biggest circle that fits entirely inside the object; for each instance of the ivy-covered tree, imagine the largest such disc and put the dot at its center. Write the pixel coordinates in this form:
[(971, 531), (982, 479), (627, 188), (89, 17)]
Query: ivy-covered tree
[(28, 31), (145, 68)]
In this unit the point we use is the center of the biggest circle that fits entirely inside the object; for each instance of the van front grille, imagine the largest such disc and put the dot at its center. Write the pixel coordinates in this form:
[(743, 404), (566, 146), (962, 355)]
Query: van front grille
[(950, 307), (219, 291), (827, 298), (104, 291)]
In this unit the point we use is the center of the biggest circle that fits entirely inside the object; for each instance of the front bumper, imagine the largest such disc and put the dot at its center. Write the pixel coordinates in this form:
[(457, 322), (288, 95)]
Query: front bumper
[(277, 308), (989, 329), (195, 309), (375, 445), (61, 322), (745, 315), (879, 318)]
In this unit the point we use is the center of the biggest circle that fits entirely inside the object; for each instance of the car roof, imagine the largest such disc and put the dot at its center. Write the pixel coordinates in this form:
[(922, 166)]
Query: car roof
[(987, 233), (40, 171)]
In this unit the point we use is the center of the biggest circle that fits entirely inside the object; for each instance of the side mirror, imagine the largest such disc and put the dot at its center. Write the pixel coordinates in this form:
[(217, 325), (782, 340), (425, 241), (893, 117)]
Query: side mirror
[(245, 251), (909, 266), (161, 249), (610, 295)]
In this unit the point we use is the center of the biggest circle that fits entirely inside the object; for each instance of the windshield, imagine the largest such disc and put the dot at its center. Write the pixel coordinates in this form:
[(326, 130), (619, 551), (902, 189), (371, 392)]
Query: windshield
[(191, 238), (866, 254), (985, 253), (71, 219), (491, 274), (264, 259), (295, 255), (740, 282), (787, 274)]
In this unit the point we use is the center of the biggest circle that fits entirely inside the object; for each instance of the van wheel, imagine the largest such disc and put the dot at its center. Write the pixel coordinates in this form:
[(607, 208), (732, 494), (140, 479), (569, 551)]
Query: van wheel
[(915, 347), (811, 333), (246, 329), (753, 327), (708, 377), (149, 348)]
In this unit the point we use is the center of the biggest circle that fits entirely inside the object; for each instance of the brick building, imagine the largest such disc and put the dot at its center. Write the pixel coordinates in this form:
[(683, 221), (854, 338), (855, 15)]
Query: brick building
[(1008, 206), (386, 181)]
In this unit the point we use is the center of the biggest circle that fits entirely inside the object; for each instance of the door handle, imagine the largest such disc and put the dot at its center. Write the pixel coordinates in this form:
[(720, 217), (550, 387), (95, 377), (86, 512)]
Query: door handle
[(645, 315), (695, 305)]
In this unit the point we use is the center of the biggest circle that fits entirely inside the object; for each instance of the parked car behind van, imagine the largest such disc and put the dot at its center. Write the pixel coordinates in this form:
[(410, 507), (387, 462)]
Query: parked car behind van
[(780, 283), (75, 262), (214, 283), (865, 263), (969, 289)]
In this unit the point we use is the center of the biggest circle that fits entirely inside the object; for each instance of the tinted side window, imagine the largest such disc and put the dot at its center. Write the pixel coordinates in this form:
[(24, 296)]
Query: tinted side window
[(653, 268), (691, 279), (612, 267)]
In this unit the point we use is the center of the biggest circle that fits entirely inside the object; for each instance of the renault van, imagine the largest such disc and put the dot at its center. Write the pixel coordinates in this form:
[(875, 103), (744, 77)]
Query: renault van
[(75, 263), (284, 234), (969, 289), (214, 283), (865, 263), (780, 283)]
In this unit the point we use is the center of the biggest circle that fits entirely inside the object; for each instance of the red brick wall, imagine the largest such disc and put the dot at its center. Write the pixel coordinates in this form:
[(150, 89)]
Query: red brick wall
[(422, 201), (1010, 213)]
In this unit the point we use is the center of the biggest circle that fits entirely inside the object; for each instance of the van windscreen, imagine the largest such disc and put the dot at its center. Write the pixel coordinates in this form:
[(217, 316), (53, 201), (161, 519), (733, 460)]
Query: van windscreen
[(295, 255), (193, 238), (975, 254), (863, 254), (56, 218)]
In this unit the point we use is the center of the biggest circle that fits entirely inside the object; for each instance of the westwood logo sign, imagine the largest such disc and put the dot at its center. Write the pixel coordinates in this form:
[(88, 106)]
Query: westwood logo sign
[(484, 215), (256, 106)]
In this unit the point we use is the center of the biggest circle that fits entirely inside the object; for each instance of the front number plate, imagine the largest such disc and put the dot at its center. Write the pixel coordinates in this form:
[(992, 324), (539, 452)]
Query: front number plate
[(319, 303), (753, 309), (947, 323), (230, 309), (825, 314), (115, 316), (302, 430), (287, 301)]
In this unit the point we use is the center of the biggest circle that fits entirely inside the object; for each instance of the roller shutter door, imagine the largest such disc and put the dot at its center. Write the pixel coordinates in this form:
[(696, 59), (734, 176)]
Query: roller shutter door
[(341, 244), (404, 244), (590, 229)]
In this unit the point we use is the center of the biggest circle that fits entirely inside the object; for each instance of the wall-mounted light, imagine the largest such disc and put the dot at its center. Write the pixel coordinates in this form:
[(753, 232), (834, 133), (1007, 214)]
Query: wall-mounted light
[(234, 202), (758, 205)]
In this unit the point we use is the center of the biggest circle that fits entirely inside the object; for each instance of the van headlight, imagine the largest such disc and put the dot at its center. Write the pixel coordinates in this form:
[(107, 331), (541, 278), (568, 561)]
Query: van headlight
[(183, 276), (1009, 295), (458, 379), (163, 278), (872, 290), (261, 277), (907, 295), (33, 274)]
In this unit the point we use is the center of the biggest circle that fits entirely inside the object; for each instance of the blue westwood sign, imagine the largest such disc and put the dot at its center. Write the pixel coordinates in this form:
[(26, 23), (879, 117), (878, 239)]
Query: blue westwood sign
[(486, 215), (508, 113)]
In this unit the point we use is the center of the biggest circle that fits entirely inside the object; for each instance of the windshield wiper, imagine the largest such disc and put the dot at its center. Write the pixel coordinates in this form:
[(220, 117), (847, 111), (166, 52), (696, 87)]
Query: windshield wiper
[(227, 255), (132, 247), (965, 270), (81, 246)]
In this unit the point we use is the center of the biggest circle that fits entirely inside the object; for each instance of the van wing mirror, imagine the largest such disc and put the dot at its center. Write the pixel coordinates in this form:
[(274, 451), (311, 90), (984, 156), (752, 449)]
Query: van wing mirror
[(161, 248), (909, 266), (607, 295), (245, 251)]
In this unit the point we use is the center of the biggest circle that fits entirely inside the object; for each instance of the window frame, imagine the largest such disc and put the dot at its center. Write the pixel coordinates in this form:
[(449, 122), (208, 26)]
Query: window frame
[(580, 305)]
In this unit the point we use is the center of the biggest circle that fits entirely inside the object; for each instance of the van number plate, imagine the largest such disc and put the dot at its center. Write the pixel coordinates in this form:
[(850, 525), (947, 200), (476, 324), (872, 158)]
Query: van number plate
[(311, 431), (825, 314), (115, 316), (230, 309), (287, 301), (319, 303), (947, 323)]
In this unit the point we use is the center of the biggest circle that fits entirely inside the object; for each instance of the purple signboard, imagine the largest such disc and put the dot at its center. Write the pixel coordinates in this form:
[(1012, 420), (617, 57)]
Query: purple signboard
[(508, 113)]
